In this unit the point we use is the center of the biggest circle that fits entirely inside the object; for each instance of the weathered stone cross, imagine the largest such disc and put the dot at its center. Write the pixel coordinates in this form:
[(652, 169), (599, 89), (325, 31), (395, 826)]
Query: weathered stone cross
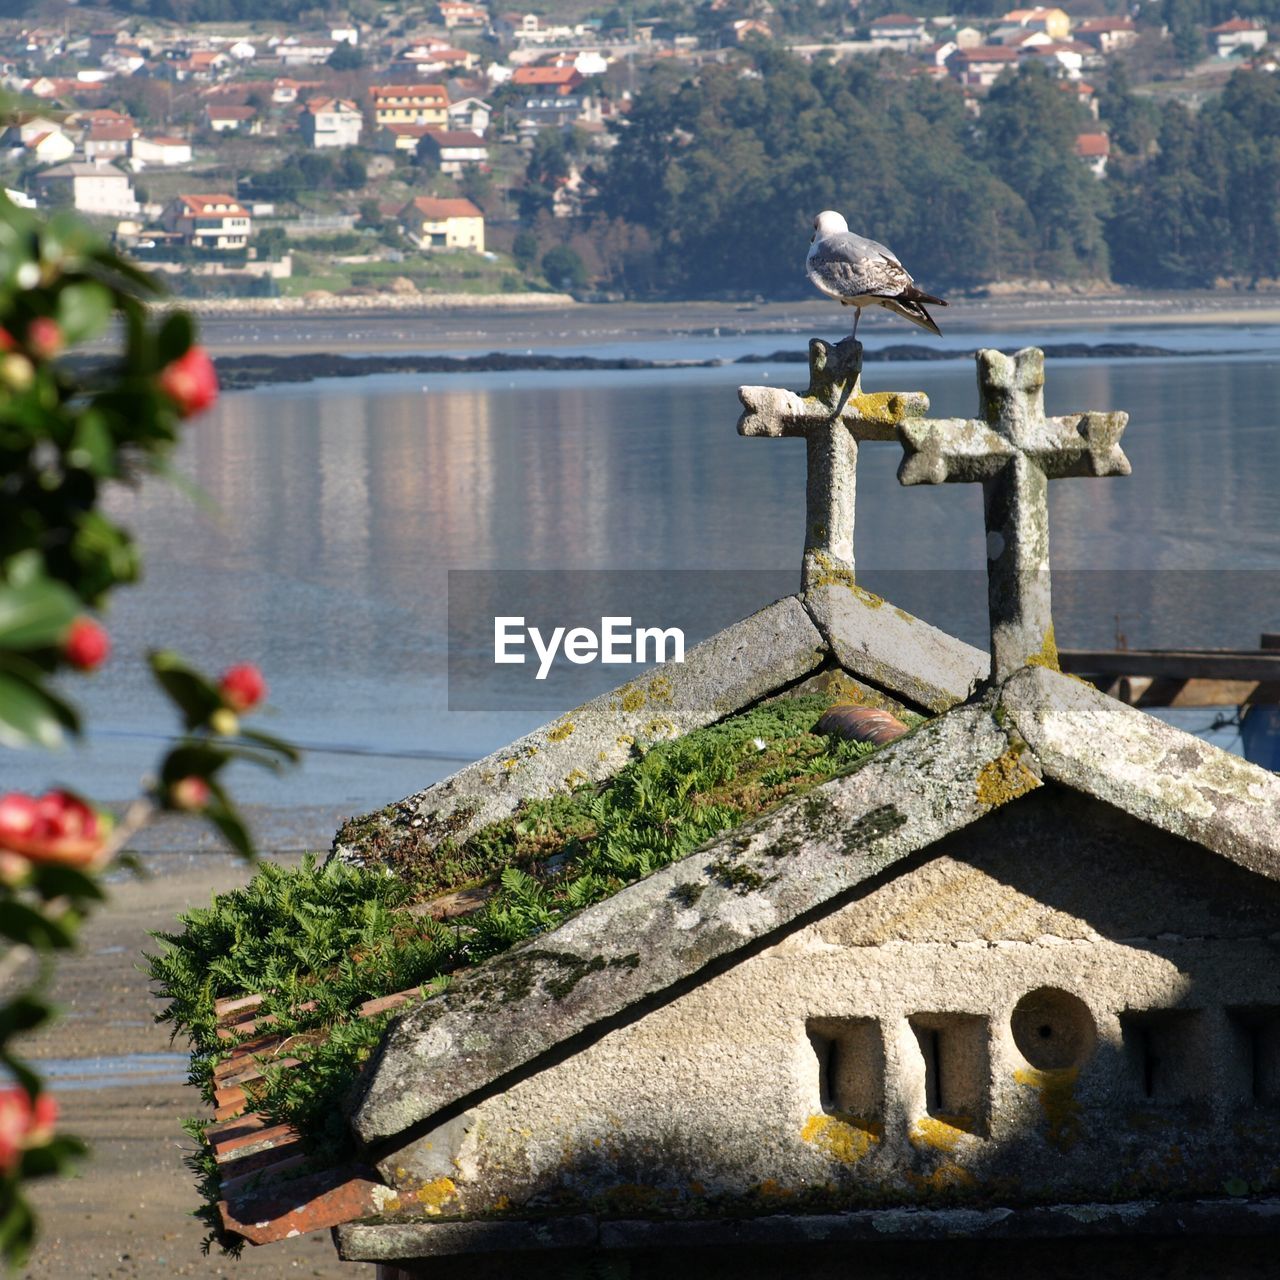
[(833, 415), (1014, 451)]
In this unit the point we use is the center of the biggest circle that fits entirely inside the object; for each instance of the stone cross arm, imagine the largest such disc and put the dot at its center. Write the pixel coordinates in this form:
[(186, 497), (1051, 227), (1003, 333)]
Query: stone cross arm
[(1014, 450), (966, 449), (832, 416)]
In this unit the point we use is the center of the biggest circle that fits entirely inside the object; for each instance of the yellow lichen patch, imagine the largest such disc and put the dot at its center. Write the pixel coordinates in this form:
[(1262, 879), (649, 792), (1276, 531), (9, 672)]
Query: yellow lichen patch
[(1004, 779), (632, 698), (1048, 655), (845, 1140), (435, 1195), (559, 732), (575, 779), (946, 1177), (940, 1133), (660, 727), (1056, 1090), (502, 1204)]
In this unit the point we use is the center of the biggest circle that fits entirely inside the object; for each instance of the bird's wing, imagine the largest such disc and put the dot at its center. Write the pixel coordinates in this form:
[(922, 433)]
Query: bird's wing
[(852, 266)]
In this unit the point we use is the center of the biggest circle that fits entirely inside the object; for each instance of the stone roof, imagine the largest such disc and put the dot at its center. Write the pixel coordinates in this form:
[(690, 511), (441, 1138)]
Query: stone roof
[(616, 960)]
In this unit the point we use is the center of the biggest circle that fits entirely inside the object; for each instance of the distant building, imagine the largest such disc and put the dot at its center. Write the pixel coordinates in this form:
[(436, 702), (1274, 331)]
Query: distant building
[(331, 122), (1053, 22), (163, 152), (898, 31), (461, 13), (391, 138), (298, 51), (51, 147), (1107, 34), (981, 66), (90, 188), (232, 119), (472, 114), (741, 29), (452, 151), (410, 104), (1228, 38), (107, 142), (546, 81), (443, 224), (216, 222), (543, 113), (1095, 150)]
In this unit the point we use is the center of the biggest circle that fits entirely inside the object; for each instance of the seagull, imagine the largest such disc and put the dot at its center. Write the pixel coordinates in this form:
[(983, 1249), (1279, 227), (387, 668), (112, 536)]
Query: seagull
[(862, 273)]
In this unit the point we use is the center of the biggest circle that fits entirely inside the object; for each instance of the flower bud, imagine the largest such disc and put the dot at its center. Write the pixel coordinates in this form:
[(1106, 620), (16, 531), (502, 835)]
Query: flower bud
[(57, 827), (242, 686), (190, 794), (87, 645), (44, 338), (16, 371), (225, 722), (190, 381)]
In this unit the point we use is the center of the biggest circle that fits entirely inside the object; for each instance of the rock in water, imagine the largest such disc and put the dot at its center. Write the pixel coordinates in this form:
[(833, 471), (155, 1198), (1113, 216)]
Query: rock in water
[(861, 724)]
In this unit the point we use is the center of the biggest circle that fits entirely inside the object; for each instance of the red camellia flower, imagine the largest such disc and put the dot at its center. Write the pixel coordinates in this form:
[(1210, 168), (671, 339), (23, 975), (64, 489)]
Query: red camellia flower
[(189, 794), (44, 338), (87, 645), (190, 382), (7, 341), (242, 686), (57, 827), (23, 1125)]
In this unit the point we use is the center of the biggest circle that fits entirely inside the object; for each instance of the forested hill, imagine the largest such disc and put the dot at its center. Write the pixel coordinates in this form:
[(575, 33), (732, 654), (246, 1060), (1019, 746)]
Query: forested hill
[(715, 179)]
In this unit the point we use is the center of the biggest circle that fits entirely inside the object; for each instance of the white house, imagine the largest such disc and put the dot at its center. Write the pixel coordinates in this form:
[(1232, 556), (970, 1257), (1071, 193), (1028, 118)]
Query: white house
[(107, 141), (898, 31), (1107, 34), (331, 122), (90, 188), (208, 221), (1239, 33), (451, 152), (163, 152), (1095, 150), (52, 147), (471, 114), (443, 224)]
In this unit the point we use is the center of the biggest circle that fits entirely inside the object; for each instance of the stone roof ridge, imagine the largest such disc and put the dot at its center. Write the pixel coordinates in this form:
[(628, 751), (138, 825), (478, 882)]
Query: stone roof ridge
[(750, 886)]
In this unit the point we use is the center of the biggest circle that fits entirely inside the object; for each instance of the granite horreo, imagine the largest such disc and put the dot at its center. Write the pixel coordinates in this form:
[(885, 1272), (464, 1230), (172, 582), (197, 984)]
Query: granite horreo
[(863, 273)]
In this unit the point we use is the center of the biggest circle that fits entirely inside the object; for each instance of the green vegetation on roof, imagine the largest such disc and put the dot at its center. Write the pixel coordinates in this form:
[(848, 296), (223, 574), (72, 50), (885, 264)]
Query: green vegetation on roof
[(336, 936)]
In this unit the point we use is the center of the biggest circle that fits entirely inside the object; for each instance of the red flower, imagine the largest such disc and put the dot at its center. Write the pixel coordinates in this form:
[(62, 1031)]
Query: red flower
[(7, 341), (44, 338), (189, 794), (23, 1125), (58, 827), (242, 686), (190, 382), (87, 645)]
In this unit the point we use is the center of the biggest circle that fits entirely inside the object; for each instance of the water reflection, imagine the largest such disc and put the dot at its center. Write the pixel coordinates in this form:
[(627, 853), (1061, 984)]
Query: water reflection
[(341, 506)]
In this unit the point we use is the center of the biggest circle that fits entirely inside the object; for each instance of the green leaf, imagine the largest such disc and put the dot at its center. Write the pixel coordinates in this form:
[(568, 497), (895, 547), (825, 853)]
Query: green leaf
[(198, 759), (22, 1013), (24, 924), (53, 1157), (230, 824), (29, 713), (51, 880), (193, 695), (36, 614), (93, 448), (175, 338), (83, 311)]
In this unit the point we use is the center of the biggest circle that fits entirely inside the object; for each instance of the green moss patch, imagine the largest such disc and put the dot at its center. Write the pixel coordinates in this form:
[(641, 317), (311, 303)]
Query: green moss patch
[(337, 936)]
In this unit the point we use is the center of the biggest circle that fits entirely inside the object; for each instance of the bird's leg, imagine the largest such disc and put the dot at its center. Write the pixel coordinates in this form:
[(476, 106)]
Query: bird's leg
[(857, 315)]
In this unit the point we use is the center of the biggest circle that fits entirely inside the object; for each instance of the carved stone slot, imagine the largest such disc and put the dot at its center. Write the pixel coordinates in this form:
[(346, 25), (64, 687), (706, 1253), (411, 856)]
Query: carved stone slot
[(1167, 1054), (955, 1061), (850, 1056), (1256, 1037)]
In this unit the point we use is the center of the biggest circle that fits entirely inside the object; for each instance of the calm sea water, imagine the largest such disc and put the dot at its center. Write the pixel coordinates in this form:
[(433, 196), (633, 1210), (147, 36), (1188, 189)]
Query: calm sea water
[(340, 506)]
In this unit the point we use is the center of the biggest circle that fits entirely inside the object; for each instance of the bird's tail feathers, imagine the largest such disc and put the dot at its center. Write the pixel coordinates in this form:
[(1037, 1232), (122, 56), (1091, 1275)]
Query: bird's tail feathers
[(912, 310), (913, 293)]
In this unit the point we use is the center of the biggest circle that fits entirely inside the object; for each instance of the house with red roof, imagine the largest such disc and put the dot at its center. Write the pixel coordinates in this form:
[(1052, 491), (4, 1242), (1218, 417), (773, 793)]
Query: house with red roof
[(331, 122), (981, 66), (547, 81), (1107, 35), (433, 223), (217, 222), (410, 104), (1095, 150), (453, 150), (1230, 37)]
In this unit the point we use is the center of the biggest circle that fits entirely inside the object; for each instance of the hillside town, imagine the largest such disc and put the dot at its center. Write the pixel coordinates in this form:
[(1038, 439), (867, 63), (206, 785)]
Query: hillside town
[(458, 147)]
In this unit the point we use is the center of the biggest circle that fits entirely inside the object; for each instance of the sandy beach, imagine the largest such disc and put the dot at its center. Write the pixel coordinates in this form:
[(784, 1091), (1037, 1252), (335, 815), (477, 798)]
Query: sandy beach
[(128, 1212)]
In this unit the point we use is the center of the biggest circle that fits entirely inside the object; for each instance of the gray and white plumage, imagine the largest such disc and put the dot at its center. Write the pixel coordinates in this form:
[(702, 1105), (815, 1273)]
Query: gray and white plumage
[(863, 273)]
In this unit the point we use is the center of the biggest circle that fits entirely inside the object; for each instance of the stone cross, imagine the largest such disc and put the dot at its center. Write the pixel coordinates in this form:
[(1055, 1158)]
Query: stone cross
[(832, 415), (1014, 451)]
